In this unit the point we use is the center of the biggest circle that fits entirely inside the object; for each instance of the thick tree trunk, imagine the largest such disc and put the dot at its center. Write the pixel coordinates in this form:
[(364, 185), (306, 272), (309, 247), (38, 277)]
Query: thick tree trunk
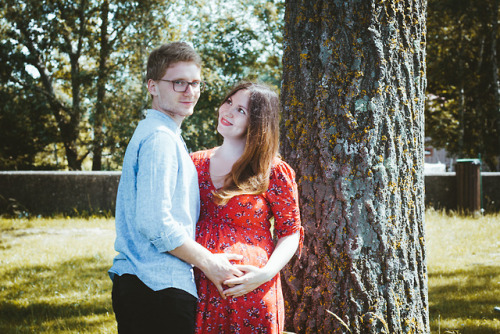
[(353, 129)]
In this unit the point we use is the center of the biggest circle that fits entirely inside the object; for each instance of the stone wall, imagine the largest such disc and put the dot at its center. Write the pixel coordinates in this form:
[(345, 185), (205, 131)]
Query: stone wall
[(48, 193)]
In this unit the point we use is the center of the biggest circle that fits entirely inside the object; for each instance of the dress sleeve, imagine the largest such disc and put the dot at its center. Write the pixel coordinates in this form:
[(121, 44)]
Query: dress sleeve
[(282, 195)]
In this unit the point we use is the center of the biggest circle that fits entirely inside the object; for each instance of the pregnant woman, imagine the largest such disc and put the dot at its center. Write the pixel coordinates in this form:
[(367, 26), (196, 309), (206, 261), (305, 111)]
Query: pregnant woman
[(249, 206)]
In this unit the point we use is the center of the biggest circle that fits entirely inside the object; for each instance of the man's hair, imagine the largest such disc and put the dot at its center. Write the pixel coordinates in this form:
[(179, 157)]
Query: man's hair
[(167, 54)]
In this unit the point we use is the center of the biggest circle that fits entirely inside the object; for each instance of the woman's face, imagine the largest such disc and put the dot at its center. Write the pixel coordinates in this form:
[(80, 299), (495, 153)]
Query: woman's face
[(234, 115)]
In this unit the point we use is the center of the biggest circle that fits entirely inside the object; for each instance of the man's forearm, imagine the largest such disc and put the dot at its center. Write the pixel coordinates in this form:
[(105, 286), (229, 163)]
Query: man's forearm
[(194, 253), (216, 267)]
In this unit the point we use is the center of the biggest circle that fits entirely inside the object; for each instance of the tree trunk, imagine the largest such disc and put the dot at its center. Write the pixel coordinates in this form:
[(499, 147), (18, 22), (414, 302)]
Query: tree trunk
[(101, 90), (494, 71), (353, 129)]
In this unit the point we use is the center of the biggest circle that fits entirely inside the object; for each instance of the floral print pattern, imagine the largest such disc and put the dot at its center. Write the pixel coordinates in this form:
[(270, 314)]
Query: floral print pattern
[(243, 226)]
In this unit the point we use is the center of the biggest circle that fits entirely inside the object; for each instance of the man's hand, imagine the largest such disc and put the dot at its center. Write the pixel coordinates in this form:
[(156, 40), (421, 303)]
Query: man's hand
[(220, 270), (216, 267)]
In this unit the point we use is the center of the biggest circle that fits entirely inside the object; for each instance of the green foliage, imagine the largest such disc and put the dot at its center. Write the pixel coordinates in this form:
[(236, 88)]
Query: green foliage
[(238, 40), (463, 106), (25, 129), (85, 73), (53, 48)]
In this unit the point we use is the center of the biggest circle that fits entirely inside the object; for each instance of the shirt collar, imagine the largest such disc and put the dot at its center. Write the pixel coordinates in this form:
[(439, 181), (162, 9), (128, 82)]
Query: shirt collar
[(165, 119)]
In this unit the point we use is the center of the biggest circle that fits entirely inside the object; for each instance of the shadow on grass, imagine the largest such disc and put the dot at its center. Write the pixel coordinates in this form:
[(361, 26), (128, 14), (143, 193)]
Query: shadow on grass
[(73, 296), (463, 301)]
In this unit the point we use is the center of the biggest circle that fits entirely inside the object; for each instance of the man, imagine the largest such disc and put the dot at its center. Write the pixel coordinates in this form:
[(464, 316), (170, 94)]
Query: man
[(157, 208)]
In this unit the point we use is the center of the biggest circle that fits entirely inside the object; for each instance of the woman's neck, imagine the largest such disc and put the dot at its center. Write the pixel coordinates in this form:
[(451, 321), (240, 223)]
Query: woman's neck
[(231, 150), (223, 159)]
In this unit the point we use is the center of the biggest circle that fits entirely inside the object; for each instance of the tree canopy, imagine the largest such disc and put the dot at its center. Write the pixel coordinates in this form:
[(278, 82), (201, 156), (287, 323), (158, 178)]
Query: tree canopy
[(72, 72), (463, 105)]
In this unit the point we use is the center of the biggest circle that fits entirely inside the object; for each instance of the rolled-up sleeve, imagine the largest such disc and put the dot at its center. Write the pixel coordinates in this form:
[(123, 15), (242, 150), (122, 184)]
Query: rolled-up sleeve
[(156, 188)]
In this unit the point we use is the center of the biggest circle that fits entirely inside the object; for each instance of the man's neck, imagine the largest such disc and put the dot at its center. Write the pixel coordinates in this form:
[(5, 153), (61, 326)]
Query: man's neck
[(176, 118)]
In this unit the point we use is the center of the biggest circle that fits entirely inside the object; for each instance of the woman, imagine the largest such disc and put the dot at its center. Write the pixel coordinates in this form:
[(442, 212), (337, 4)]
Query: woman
[(243, 186)]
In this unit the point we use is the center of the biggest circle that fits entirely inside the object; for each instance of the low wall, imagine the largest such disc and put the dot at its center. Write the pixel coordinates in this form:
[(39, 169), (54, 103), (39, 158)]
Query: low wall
[(491, 191), (441, 191), (48, 193)]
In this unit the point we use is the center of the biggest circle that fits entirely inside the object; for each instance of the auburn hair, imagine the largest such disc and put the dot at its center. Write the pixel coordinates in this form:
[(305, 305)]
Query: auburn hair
[(250, 173)]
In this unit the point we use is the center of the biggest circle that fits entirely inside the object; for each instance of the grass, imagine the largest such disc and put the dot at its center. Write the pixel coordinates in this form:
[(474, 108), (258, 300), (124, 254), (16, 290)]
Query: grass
[(53, 274), (464, 273)]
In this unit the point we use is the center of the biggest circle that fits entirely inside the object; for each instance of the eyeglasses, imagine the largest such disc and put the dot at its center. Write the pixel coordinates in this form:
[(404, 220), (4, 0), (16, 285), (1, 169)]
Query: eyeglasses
[(181, 86)]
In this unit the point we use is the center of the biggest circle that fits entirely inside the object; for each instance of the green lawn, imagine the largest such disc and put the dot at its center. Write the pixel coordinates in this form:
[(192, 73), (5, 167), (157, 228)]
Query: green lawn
[(53, 275), (464, 273)]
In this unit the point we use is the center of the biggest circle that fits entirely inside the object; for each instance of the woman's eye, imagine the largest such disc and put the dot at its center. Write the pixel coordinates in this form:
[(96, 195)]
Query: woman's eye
[(241, 110)]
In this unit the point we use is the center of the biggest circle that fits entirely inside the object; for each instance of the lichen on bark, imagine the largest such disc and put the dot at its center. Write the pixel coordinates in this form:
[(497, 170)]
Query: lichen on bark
[(352, 96)]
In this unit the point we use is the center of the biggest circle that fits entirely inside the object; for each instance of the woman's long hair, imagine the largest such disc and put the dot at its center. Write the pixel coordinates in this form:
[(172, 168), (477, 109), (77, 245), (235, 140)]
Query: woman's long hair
[(250, 173)]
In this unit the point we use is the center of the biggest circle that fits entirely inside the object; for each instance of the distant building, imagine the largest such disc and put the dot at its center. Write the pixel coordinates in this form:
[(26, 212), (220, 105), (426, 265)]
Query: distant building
[(436, 158)]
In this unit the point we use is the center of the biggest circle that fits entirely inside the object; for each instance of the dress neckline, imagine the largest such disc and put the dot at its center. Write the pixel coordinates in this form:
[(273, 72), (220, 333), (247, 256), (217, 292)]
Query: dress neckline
[(209, 156)]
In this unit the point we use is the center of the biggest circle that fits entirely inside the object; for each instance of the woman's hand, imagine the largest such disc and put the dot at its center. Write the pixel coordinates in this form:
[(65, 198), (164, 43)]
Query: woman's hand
[(252, 278)]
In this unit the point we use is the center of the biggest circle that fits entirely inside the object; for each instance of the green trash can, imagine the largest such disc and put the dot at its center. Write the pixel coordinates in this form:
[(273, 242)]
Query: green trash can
[(468, 174)]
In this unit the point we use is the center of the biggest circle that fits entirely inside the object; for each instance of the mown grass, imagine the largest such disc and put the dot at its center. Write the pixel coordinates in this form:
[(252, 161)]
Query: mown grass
[(464, 273), (53, 274)]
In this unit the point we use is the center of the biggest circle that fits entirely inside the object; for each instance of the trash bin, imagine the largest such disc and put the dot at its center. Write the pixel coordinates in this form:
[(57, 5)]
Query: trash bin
[(468, 173)]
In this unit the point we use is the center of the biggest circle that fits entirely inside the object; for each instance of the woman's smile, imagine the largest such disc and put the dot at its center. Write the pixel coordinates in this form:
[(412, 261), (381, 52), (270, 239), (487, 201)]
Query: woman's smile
[(225, 122)]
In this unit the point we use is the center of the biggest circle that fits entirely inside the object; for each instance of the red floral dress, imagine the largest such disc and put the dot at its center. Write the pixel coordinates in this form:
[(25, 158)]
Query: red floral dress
[(243, 226)]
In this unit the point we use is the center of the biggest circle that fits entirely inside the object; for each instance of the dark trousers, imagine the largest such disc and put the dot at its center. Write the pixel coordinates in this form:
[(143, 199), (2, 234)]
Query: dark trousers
[(140, 310)]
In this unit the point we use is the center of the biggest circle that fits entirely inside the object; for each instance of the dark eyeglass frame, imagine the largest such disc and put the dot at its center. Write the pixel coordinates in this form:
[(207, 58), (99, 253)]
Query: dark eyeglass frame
[(194, 84)]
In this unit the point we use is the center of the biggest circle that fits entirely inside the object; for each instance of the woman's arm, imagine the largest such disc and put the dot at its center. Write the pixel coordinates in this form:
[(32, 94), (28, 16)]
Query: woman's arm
[(254, 276)]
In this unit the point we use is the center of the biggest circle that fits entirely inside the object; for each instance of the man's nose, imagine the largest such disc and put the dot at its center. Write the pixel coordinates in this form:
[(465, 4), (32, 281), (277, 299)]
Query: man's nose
[(189, 90)]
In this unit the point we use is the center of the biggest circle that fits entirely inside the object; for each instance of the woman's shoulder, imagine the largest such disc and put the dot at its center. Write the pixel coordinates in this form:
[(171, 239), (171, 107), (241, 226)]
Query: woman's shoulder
[(201, 155), (281, 168)]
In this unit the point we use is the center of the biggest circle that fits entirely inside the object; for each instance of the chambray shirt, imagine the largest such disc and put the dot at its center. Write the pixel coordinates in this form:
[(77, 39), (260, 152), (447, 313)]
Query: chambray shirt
[(157, 206)]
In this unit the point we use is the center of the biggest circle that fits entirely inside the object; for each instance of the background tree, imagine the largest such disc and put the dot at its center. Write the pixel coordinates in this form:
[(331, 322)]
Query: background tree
[(353, 129), (238, 40), (86, 58), (463, 108), (71, 53)]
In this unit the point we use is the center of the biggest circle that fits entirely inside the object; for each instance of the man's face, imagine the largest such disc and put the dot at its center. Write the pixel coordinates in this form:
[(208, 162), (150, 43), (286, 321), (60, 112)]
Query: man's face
[(177, 105)]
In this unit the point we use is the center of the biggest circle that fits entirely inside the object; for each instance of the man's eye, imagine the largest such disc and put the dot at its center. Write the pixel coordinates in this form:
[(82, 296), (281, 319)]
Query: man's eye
[(195, 84), (180, 82)]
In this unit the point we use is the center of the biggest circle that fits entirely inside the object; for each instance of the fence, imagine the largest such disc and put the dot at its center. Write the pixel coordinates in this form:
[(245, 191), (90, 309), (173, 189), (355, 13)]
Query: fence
[(47, 193)]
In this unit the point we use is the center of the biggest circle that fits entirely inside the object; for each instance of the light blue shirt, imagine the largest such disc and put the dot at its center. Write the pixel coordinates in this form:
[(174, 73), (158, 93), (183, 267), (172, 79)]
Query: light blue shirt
[(157, 206)]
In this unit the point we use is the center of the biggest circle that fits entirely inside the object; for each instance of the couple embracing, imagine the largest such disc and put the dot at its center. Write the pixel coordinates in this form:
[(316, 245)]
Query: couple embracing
[(195, 234)]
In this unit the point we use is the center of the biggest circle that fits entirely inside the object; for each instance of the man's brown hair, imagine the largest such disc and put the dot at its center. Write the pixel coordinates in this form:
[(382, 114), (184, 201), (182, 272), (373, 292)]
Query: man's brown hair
[(167, 54)]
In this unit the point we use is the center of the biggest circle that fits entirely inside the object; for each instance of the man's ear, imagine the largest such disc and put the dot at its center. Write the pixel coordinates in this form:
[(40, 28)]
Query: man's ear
[(152, 87)]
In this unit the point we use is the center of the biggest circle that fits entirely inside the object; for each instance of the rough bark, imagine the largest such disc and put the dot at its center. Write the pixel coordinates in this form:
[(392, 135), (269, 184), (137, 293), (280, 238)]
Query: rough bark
[(353, 129)]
